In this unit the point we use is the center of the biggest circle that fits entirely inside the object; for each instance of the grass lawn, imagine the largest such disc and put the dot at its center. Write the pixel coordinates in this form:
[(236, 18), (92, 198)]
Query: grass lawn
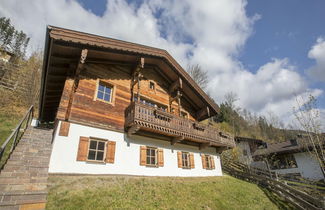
[(123, 192)]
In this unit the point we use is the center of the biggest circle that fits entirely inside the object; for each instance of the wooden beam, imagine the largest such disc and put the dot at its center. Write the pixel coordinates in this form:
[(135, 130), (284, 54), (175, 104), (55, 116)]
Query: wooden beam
[(133, 129), (219, 150), (201, 113), (178, 84), (74, 87), (204, 145), (136, 77), (178, 96), (177, 140)]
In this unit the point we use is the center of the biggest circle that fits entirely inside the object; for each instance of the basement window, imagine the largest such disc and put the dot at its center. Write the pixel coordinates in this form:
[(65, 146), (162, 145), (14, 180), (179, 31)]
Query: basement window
[(104, 92), (96, 150), (152, 156)]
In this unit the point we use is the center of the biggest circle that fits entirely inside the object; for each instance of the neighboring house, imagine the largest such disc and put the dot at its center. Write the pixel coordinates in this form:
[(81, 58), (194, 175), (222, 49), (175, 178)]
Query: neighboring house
[(289, 157), (246, 147), (125, 108)]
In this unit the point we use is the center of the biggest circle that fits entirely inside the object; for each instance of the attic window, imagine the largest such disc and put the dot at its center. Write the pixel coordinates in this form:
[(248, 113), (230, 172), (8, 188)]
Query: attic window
[(152, 85), (105, 92)]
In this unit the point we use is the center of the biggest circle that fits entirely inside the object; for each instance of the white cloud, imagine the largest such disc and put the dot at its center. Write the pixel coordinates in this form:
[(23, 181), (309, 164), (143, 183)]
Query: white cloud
[(211, 34), (317, 52)]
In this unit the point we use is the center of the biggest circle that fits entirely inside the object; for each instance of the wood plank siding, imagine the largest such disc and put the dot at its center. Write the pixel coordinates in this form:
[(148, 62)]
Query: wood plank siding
[(137, 77)]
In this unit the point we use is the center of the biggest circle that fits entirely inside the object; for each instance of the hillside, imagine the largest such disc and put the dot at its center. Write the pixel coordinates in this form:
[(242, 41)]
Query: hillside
[(102, 192)]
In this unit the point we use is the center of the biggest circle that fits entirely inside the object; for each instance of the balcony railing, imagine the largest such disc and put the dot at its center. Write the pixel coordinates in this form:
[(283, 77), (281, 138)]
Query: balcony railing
[(157, 121)]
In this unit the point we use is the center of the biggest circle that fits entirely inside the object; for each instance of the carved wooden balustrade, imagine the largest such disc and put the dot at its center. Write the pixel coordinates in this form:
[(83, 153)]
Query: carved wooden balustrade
[(143, 117)]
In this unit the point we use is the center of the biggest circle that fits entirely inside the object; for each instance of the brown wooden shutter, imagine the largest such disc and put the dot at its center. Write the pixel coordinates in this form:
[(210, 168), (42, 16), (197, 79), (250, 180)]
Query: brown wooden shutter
[(160, 157), (212, 162), (83, 148), (179, 159), (204, 165), (110, 151), (64, 128), (192, 160), (143, 155)]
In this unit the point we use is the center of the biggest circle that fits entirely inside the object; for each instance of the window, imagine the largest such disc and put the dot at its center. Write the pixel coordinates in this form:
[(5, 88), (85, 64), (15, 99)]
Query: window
[(151, 156), (152, 85), (184, 114), (96, 150), (208, 162), (245, 152), (104, 92), (185, 160), (282, 162)]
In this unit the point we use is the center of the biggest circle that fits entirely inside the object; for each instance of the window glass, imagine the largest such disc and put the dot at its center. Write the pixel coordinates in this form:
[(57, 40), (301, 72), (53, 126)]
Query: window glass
[(104, 92), (151, 156), (96, 150)]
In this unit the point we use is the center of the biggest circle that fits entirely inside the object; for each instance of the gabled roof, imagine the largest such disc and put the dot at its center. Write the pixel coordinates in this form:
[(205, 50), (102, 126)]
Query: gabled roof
[(291, 146), (67, 43)]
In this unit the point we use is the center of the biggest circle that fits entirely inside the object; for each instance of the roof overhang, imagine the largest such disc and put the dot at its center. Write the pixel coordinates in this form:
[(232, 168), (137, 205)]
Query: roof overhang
[(62, 52)]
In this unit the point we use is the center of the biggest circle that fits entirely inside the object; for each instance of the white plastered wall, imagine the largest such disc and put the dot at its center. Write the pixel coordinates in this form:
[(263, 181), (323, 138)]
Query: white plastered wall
[(127, 155)]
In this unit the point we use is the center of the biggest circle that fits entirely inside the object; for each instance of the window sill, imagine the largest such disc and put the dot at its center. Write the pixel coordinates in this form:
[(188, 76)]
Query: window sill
[(96, 162), (106, 102), (152, 166)]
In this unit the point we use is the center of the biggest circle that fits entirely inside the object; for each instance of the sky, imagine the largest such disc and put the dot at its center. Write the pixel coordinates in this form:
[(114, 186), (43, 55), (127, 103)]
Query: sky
[(268, 53)]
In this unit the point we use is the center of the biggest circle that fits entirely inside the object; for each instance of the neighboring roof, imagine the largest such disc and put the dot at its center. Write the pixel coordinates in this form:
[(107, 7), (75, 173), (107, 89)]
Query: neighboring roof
[(291, 146), (241, 138), (56, 37)]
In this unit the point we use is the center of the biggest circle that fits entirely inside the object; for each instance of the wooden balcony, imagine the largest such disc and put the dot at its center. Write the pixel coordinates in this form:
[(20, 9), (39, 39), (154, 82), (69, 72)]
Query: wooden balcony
[(141, 117)]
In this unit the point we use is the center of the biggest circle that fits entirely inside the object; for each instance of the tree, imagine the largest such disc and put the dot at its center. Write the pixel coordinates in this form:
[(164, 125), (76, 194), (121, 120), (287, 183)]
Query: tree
[(308, 117), (11, 39), (198, 75)]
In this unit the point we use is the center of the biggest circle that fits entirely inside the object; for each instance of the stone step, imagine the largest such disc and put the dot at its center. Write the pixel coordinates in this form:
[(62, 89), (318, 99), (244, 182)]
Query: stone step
[(23, 181)]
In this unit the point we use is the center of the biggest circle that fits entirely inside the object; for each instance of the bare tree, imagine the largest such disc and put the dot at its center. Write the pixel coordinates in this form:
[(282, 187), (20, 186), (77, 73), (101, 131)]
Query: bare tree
[(308, 117), (198, 75)]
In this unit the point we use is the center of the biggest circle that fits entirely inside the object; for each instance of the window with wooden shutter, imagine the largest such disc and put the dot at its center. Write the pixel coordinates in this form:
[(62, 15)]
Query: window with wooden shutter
[(192, 160), (110, 151), (143, 155), (83, 148), (208, 162), (160, 157), (151, 156), (179, 159)]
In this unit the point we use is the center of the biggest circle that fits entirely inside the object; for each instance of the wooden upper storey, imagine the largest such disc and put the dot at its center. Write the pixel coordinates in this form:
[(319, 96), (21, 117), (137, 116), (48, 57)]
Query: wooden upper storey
[(77, 64), (62, 54)]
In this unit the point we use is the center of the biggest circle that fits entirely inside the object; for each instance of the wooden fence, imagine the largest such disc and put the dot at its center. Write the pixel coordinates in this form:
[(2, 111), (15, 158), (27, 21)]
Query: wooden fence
[(268, 180)]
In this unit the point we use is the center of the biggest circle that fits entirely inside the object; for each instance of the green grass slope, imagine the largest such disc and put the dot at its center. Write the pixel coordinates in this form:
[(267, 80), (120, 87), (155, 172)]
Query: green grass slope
[(122, 192)]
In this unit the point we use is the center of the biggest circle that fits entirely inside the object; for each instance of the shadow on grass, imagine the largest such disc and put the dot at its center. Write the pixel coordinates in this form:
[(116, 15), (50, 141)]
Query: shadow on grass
[(279, 202)]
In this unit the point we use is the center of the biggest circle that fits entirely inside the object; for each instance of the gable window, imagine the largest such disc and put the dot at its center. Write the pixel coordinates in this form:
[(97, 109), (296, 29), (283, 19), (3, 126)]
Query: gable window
[(96, 150), (207, 162), (151, 156), (152, 85), (185, 160), (104, 92), (184, 114)]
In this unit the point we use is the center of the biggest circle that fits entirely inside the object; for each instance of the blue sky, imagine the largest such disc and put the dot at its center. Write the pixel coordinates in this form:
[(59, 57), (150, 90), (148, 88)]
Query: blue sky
[(266, 52)]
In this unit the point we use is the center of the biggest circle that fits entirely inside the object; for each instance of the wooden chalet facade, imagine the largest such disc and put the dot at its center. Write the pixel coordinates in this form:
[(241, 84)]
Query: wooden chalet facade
[(125, 108)]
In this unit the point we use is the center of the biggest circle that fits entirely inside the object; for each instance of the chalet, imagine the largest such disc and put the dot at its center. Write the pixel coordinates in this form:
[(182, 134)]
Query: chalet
[(288, 158), (125, 108), (246, 148)]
